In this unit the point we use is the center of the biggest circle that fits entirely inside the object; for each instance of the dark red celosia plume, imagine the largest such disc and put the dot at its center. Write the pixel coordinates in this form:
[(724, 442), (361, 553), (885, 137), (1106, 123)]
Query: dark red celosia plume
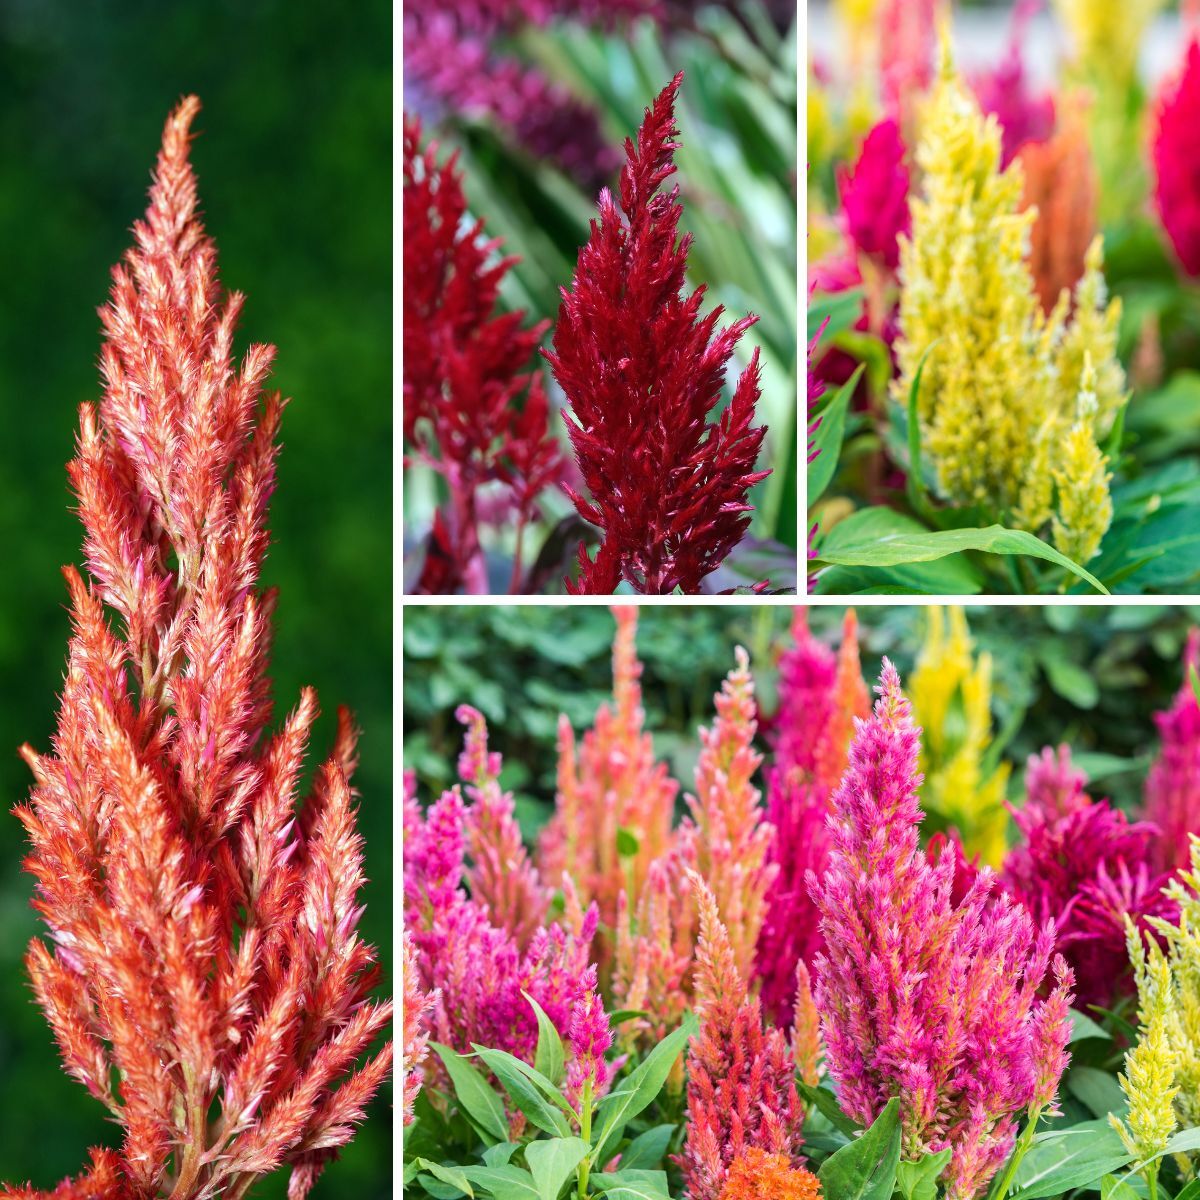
[(203, 974), (465, 368), (643, 371)]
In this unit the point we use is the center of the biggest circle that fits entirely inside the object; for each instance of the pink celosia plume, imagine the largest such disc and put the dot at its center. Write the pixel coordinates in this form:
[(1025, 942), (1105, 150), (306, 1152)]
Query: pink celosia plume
[(1173, 784), (589, 1039), (414, 1007), (874, 196), (741, 1092), (933, 1002), (204, 978), (1083, 865), (643, 372), (1176, 158)]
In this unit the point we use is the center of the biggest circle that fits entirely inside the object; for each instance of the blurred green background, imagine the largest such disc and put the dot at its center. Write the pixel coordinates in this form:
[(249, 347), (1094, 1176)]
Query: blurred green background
[(736, 114), (1090, 676), (294, 160)]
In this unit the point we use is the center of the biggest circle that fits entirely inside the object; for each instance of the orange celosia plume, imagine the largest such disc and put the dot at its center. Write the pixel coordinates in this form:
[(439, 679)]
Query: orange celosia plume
[(203, 975)]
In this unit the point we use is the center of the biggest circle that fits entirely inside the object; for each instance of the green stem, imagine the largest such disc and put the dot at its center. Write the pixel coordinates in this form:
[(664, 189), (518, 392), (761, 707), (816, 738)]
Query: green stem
[(585, 1132), (1003, 1182), (1152, 1179)]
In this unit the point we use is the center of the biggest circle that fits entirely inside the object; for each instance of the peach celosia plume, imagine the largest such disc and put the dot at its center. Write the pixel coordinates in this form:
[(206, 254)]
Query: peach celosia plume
[(204, 977)]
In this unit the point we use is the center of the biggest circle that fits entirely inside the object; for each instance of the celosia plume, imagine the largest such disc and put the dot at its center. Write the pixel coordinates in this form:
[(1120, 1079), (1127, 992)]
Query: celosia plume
[(589, 1038), (414, 1006), (500, 875), (1177, 159), (465, 370), (615, 804), (476, 971), (1010, 410), (757, 1175), (1083, 865), (642, 372), (205, 979), (907, 45), (1173, 784), (820, 698), (951, 693), (920, 998), (741, 1092), (729, 839), (874, 196), (1061, 187)]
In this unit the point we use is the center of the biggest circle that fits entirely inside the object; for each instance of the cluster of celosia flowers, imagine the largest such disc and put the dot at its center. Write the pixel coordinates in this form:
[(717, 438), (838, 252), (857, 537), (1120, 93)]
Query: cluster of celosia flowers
[(642, 371), (473, 410), (204, 977), (920, 997), (1012, 403)]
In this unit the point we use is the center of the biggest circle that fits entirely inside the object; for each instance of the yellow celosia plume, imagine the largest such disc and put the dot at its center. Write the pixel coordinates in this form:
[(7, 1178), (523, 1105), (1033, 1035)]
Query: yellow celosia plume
[(1008, 420), (951, 693), (1106, 35)]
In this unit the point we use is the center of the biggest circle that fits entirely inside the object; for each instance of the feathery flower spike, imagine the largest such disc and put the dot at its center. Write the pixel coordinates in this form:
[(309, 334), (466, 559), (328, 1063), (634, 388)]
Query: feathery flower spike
[(1173, 784), (465, 368), (757, 1175), (414, 1005), (921, 998), (643, 371), (741, 1092), (1176, 159), (204, 976)]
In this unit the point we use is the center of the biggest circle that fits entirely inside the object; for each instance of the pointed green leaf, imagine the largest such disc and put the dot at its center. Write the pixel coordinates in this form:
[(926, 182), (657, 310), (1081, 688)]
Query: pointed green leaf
[(866, 1168), (524, 1094), (549, 1056), (552, 1162), (827, 441), (918, 1180), (474, 1094), (647, 1150), (504, 1183), (826, 1104)]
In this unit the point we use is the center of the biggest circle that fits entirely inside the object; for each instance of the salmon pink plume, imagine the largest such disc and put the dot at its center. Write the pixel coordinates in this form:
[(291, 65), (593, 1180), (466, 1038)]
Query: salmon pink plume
[(1177, 161), (932, 1002), (907, 42), (204, 976), (741, 1091), (1085, 866), (500, 874), (874, 195), (732, 842), (643, 372), (1173, 784), (414, 1006), (465, 373), (615, 803)]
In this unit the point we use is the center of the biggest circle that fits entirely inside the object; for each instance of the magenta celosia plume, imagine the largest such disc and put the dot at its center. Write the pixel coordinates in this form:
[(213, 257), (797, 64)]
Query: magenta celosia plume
[(920, 998), (473, 411), (1176, 157), (1173, 784), (643, 372), (1005, 91), (204, 976), (1083, 865), (820, 696), (874, 196), (741, 1091), (473, 959)]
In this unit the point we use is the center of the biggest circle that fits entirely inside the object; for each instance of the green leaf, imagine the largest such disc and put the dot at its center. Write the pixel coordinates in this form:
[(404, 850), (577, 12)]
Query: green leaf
[(447, 1174), (837, 311), (648, 1149), (827, 441), (551, 1162), (1190, 1192), (1083, 1027), (915, 485), (637, 1091), (498, 1156), (645, 1185), (826, 1103), (475, 1095), (515, 1081), (866, 1168), (1112, 1188), (504, 1183), (549, 1056), (1183, 1142), (627, 842), (923, 547), (626, 1014), (918, 1180), (1060, 1160), (1096, 1090)]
